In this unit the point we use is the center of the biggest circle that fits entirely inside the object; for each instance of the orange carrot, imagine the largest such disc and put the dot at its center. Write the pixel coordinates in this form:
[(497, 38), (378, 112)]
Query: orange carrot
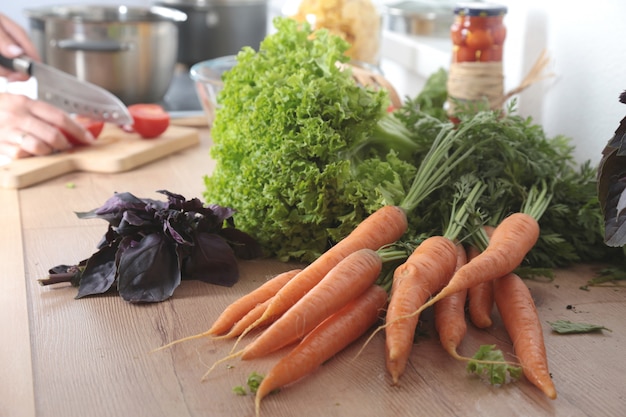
[(347, 280), (326, 340), (384, 226), (241, 307), (520, 318), (350, 278), (480, 296), (243, 323), (512, 239), (425, 272), (480, 304), (450, 314)]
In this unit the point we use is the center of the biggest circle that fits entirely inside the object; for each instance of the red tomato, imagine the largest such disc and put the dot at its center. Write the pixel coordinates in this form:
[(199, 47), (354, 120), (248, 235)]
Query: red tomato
[(149, 120), (493, 54), (463, 54), (93, 126), (479, 39), (457, 34), (499, 34)]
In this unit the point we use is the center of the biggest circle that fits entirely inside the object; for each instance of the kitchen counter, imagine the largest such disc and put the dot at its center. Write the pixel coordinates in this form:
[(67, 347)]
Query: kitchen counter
[(91, 357)]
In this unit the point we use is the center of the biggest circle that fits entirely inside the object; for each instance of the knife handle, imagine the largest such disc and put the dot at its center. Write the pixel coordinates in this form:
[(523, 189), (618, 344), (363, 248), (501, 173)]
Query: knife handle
[(19, 64)]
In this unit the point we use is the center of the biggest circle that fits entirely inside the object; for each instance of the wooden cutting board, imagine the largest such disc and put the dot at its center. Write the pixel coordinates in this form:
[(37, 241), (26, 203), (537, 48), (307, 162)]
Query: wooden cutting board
[(114, 151)]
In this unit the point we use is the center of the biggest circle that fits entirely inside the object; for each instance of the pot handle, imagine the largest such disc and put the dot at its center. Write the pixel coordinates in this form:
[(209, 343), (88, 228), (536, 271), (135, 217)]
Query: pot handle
[(93, 46)]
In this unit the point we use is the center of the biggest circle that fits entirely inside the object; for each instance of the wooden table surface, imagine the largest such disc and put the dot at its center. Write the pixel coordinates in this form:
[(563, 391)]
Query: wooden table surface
[(63, 357)]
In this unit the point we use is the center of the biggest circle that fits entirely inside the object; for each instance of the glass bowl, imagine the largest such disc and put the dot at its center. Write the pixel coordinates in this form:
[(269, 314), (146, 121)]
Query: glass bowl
[(207, 76)]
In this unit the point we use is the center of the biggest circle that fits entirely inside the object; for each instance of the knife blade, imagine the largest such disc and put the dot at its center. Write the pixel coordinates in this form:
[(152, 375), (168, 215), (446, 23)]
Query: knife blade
[(70, 94)]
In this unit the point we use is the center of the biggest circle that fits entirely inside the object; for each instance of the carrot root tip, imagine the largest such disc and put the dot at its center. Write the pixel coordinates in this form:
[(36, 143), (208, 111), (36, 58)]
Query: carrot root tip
[(219, 361)]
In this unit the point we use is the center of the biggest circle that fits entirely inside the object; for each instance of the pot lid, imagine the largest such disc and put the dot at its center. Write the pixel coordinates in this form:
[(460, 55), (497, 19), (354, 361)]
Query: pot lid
[(108, 14)]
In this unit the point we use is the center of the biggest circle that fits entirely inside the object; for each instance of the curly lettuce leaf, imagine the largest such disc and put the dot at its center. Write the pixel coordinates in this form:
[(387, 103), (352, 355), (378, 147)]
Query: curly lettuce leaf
[(284, 141)]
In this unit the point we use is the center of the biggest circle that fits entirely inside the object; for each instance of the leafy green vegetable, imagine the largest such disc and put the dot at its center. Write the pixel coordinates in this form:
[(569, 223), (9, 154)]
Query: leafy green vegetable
[(568, 327), (495, 372), (294, 145), (240, 390), (151, 245), (305, 155)]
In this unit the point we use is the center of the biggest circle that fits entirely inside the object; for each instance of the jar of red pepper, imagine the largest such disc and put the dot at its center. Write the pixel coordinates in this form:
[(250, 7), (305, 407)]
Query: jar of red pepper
[(477, 33)]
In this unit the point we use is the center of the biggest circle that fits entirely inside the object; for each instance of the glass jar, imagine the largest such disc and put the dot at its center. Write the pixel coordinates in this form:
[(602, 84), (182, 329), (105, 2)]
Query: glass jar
[(478, 32), (475, 79)]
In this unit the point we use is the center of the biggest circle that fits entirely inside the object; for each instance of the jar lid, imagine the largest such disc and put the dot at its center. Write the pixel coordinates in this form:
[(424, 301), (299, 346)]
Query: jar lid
[(479, 9)]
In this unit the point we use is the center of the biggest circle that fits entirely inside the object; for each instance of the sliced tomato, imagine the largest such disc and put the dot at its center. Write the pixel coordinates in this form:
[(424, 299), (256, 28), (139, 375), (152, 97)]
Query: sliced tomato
[(93, 126), (149, 120)]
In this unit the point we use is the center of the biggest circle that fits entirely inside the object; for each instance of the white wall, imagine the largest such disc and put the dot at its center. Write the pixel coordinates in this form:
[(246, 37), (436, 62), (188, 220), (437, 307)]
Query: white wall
[(586, 42)]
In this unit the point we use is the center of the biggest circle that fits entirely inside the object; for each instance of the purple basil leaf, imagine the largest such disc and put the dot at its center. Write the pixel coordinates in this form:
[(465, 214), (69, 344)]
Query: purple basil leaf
[(175, 201), (148, 270), (244, 245), (99, 273), (212, 260), (222, 213), (612, 185), (113, 209), (178, 226)]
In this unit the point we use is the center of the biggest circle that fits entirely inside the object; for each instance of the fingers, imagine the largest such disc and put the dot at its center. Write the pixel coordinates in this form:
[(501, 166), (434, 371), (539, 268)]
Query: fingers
[(14, 41), (62, 122), (30, 127)]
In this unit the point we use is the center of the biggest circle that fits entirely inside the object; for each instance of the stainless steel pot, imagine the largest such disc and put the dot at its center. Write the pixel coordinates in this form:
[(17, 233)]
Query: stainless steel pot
[(217, 28), (130, 51)]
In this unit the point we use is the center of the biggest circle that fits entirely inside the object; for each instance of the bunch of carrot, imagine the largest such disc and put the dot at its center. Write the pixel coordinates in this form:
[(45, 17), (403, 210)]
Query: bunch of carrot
[(330, 303)]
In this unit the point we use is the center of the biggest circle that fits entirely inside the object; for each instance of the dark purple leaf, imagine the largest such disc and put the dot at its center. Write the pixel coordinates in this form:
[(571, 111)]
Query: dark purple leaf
[(99, 272), (148, 270), (113, 209), (222, 213), (612, 185), (212, 260), (153, 244), (244, 246)]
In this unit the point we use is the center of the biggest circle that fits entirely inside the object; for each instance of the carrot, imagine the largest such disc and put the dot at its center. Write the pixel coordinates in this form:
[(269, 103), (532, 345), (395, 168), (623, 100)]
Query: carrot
[(350, 278), (511, 241), (384, 226), (240, 307), (353, 275), (520, 318), (480, 296), (243, 323), (450, 314), (480, 304), (243, 305), (424, 273), (326, 340)]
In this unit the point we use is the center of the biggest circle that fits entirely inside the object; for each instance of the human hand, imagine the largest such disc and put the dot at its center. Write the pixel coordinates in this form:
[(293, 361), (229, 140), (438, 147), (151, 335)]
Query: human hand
[(14, 41), (30, 127)]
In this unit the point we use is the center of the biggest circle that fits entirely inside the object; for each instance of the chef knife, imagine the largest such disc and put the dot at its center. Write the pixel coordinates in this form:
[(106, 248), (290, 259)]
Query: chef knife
[(69, 93)]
